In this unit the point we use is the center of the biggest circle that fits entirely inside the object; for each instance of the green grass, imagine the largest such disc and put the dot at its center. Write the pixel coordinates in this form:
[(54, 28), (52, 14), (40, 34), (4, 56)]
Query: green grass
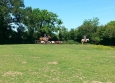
[(66, 63)]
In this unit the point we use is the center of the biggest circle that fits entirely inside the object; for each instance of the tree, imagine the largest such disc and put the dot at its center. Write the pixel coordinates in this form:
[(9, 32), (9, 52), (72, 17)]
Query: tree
[(99, 35), (94, 22), (8, 16), (49, 22), (41, 21), (72, 34), (110, 32), (4, 15), (63, 33)]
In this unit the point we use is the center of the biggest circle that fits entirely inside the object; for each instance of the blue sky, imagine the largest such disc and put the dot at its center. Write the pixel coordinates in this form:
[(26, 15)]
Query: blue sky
[(74, 12)]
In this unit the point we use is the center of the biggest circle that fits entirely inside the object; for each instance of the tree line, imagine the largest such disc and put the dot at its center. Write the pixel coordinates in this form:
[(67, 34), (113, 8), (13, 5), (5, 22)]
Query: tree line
[(23, 25), (98, 34)]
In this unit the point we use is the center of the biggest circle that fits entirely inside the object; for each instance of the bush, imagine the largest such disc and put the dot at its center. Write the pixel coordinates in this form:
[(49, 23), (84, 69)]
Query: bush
[(70, 42)]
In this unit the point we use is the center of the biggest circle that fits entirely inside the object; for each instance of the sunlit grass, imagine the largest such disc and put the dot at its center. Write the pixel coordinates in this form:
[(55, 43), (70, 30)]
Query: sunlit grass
[(57, 63)]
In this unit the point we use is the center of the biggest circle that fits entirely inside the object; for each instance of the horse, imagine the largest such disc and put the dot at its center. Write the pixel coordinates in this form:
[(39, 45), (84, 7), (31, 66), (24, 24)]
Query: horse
[(84, 40), (45, 39), (58, 42)]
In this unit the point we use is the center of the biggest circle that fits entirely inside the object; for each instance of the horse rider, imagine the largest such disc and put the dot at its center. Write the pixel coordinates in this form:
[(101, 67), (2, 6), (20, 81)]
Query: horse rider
[(44, 35), (84, 38), (45, 38)]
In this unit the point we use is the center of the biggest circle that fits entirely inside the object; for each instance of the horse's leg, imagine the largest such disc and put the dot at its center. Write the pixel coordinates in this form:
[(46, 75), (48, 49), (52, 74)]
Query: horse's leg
[(45, 42), (86, 43)]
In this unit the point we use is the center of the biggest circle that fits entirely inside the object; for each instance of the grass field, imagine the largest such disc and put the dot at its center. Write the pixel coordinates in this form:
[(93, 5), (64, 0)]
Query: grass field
[(66, 63)]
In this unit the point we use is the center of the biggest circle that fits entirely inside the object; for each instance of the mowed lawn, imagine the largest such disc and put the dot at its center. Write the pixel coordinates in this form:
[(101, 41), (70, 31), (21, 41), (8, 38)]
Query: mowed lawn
[(62, 63)]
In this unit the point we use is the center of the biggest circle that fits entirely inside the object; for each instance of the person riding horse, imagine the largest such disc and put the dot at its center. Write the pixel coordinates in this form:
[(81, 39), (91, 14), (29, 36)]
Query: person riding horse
[(84, 40), (45, 38)]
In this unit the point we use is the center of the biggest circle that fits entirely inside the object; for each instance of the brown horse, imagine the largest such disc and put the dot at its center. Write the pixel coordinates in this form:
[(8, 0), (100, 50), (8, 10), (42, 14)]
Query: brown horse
[(45, 39), (84, 40)]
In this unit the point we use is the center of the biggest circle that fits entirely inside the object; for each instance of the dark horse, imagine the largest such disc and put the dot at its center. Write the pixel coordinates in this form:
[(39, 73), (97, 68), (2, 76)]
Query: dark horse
[(45, 39)]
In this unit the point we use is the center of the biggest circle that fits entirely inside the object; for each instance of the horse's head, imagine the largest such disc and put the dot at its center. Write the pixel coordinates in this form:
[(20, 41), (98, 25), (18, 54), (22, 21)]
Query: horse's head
[(49, 37), (87, 39)]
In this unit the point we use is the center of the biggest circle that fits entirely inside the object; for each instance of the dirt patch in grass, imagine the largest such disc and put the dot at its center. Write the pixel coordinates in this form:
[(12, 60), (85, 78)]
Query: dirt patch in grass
[(96, 82), (12, 73), (99, 82), (12, 55), (35, 57), (53, 63), (24, 62)]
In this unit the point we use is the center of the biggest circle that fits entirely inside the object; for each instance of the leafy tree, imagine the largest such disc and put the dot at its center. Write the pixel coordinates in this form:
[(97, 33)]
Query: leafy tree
[(41, 21), (110, 32), (72, 34), (94, 22), (63, 33), (3, 21), (49, 22), (7, 17), (99, 35), (101, 31), (111, 23), (29, 21)]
